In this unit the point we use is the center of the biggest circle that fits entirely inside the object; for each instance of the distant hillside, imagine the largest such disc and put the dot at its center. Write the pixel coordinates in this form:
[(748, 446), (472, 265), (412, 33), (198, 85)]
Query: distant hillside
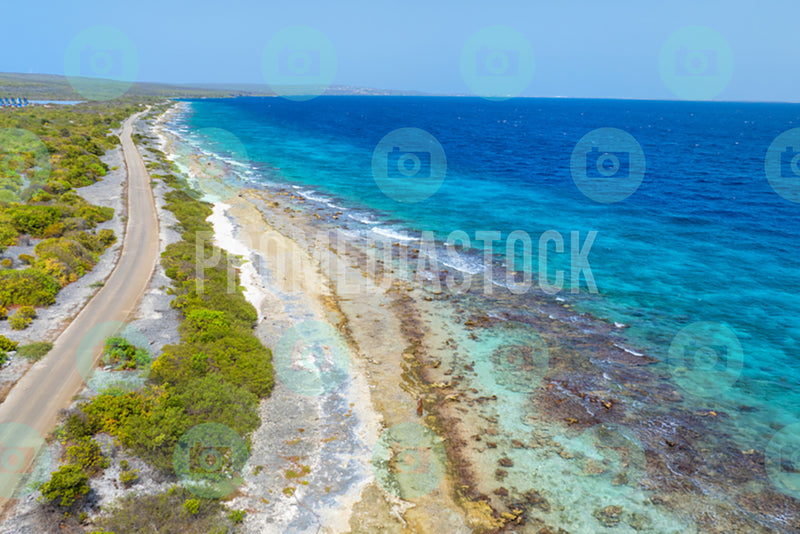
[(54, 87)]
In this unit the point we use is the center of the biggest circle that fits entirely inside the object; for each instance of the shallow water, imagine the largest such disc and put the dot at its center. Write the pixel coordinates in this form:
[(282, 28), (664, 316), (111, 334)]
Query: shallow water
[(703, 240)]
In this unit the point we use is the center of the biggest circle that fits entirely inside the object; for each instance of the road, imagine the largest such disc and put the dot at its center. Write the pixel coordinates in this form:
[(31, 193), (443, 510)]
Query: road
[(50, 385)]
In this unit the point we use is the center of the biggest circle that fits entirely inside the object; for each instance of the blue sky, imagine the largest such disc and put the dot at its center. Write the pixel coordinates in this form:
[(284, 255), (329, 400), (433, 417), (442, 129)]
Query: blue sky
[(581, 48)]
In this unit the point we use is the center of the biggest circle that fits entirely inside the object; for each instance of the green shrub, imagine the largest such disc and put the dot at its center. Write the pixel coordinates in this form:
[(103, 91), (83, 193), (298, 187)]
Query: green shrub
[(129, 477), (27, 311), (66, 485), (8, 236), (236, 516), (107, 237), (164, 513), (3, 313), (31, 286), (6, 262), (192, 506), (35, 351), (19, 322), (6, 345), (27, 259), (121, 354), (32, 219), (86, 454)]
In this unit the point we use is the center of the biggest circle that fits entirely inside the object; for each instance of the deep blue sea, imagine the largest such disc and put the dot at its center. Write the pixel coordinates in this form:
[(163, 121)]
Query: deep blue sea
[(704, 238)]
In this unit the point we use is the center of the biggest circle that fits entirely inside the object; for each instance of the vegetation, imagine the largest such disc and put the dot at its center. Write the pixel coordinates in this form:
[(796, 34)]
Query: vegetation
[(6, 346), (121, 354), (216, 374), (53, 150), (19, 321), (175, 511), (34, 351), (66, 485)]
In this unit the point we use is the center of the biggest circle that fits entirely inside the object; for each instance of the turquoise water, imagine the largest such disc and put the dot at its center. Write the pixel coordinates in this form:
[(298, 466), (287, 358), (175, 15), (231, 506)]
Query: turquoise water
[(704, 238)]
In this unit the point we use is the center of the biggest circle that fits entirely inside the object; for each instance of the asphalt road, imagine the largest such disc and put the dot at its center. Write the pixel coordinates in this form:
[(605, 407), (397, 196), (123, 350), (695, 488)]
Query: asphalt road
[(50, 385)]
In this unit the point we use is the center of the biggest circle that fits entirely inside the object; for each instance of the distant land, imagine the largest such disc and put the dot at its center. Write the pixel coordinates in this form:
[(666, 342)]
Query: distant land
[(55, 87)]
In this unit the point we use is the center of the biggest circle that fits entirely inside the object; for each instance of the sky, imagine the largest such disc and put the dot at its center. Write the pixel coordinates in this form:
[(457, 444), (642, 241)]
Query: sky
[(572, 48)]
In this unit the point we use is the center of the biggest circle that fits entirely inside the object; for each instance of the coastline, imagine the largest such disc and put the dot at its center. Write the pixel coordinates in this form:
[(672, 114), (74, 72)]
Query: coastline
[(285, 280), (416, 349)]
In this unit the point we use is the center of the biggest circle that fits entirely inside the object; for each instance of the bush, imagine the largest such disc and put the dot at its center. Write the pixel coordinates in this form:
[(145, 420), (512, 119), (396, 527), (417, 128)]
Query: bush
[(107, 237), (86, 454), (35, 351), (3, 313), (6, 262), (192, 506), (121, 354), (129, 477), (31, 286), (19, 322), (32, 219), (27, 311), (165, 513), (66, 485), (27, 259), (236, 516), (6, 345)]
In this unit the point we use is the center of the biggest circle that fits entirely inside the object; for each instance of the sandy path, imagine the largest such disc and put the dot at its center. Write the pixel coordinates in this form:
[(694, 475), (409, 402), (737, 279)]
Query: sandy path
[(50, 385)]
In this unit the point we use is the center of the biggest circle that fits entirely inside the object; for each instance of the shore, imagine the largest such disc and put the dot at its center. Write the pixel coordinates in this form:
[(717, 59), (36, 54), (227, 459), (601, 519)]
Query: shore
[(527, 393), (520, 394), (333, 435)]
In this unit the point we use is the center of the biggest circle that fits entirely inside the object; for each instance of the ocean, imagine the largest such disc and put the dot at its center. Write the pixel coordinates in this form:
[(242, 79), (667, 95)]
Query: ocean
[(659, 218)]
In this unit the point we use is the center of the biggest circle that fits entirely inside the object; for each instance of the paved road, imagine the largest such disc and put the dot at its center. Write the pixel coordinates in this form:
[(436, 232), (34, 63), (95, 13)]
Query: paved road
[(50, 385)]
